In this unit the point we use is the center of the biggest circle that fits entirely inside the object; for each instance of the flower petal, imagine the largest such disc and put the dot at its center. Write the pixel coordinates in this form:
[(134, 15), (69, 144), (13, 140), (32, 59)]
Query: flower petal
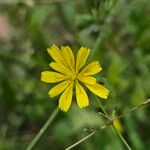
[(66, 98), (59, 88), (52, 77), (69, 57), (82, 98), (82, 56), (98, 89), (91, 69), (87, 79), (56, 54), (60, 68)]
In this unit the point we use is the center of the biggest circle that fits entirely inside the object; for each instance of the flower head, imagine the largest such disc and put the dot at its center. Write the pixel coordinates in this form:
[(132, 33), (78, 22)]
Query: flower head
[(71, 72)]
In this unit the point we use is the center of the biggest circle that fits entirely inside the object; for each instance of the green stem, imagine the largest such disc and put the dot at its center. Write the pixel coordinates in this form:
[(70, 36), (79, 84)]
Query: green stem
[(106, 125), (114, 128), (82, 140), (42, 130), (121, 137)]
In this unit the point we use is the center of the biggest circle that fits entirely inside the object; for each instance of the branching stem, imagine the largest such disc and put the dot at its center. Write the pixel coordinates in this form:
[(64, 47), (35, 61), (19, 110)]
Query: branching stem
[(110, 122)]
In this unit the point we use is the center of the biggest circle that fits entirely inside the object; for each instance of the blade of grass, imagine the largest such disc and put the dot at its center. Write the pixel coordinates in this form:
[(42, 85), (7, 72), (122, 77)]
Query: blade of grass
[(42, 130)]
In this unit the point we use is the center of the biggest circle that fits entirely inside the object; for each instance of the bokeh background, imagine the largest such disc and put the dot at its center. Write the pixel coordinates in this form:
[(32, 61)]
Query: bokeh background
[(118, 34)]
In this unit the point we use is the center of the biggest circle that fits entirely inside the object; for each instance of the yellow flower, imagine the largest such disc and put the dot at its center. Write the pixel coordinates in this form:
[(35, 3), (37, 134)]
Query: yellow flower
[(118, 124), (70, 73)]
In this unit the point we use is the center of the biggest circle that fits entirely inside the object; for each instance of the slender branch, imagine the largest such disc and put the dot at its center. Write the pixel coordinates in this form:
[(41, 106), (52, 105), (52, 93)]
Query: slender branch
[(113, 127), (134, 108), (107, 124), (42, 130), (105, 116), (82, 140), (121, 137)]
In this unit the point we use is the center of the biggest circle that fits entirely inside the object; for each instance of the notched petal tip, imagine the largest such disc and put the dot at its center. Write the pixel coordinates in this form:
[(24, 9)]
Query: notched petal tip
[(107, 94), (83, 106), (53, 45), (84, 47), (50, 64), (42, 74), (99, 68), (50, 94), (88, 50), (62, 109), (99, 90), (49, 49)]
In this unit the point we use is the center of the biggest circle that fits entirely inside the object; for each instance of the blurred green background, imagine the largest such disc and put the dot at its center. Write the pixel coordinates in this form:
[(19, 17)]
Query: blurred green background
[(118, 34)]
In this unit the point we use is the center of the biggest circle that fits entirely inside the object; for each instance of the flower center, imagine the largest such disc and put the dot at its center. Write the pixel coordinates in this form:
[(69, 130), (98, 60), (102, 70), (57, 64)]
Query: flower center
[(73, 76)]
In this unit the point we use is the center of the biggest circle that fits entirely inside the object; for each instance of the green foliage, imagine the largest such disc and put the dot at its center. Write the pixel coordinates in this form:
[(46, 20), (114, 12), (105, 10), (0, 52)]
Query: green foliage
[(118, 34)]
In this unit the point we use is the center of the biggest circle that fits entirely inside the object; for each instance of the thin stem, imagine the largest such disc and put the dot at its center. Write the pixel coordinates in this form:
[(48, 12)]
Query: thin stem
[(42, 130), (82, 140), (107, 124), (100, 105), (105, 116), (120, 136)]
